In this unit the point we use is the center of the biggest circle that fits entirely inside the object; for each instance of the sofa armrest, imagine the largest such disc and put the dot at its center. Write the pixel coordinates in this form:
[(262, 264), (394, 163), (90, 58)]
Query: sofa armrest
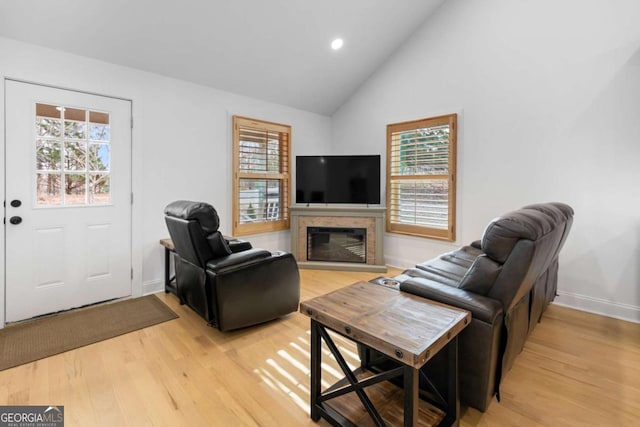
[(237, 245), (482, 308), (254, 293), (237, 260)]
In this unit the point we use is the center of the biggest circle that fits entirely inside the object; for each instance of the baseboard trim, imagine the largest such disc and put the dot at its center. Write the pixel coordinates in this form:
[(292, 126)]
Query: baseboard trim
[(628, 312), (398, 263), (152, 286)]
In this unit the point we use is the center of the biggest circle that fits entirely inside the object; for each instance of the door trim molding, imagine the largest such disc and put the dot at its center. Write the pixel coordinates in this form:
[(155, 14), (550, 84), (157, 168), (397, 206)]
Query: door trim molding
[(86, 92)]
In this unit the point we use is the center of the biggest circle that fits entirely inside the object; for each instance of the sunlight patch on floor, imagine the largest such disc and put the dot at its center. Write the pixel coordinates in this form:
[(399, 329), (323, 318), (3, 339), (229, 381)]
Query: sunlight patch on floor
[(289, 371)]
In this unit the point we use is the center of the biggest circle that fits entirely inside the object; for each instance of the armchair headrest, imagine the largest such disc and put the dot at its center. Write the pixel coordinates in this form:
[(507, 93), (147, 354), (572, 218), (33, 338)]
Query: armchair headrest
[(530, 222), (204, 213)]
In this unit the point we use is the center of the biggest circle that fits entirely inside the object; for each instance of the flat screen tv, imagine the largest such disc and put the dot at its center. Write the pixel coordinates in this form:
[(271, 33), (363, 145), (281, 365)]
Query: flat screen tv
[(338, 179)]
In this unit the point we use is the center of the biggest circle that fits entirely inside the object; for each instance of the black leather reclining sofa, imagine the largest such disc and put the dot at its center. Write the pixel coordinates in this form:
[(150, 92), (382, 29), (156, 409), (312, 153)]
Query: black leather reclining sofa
[(506, 280)]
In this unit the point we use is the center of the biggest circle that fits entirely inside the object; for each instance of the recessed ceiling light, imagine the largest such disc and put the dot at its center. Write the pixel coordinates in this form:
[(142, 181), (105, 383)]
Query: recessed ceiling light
[(337, 44)]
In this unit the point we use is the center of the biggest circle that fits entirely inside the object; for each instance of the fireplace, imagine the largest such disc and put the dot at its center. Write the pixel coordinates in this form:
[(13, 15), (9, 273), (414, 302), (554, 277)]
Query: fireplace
[(369, 218), (337, 244)]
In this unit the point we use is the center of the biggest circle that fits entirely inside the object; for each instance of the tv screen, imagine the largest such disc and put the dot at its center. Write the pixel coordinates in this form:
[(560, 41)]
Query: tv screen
[(338, 179)]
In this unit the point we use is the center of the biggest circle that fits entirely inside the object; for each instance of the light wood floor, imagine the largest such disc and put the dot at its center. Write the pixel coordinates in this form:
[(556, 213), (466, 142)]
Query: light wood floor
[(577, 369)]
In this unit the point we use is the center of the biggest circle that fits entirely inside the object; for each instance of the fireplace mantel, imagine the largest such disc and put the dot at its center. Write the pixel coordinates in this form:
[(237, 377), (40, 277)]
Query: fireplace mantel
[(371, 218)]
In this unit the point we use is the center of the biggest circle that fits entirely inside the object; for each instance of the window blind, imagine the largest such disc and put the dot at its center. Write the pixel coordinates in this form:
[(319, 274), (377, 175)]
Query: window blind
[(261, 151), (261, 176), (421, 171)]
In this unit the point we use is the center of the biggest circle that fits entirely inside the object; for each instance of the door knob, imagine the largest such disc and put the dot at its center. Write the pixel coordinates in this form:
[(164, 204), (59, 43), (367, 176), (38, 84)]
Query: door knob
[(16, 203), (15, 220)]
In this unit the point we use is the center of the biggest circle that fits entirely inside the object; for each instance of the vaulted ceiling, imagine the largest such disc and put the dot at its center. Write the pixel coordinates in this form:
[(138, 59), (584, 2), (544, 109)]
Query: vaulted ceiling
[(275, 50)]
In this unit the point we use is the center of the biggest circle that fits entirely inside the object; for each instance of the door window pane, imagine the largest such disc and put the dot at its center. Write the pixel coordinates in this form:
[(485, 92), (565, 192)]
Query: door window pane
[(47, 155), (48, 121), (75, 189), (48, 127), (75, 114), (99, 157), (48, 189), (75, 130), (75, 155), (99, 126), (99, 189), (62, 145)]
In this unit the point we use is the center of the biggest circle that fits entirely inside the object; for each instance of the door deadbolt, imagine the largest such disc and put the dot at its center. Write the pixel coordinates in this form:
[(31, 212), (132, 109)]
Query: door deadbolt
[(15, 220), (16, 203)]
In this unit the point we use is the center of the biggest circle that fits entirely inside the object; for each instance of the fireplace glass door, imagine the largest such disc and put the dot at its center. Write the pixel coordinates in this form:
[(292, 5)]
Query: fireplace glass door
[(337, 244)]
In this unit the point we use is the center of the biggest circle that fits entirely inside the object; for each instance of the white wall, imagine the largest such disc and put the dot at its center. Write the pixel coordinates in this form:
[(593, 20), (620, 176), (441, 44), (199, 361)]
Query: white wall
[(181, 142), (548, 94)]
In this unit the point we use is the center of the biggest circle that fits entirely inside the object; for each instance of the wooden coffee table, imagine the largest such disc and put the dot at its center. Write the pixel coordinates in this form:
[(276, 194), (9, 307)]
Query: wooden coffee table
[(407, 329)]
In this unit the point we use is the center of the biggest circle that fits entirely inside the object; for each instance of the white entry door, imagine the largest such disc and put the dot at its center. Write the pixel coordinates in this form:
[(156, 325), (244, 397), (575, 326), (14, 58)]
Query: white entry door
[(68, 199)]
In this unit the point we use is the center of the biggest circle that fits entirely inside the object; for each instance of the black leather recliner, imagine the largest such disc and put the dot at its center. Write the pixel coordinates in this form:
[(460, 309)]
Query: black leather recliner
[(506, 280), (231, 285)]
